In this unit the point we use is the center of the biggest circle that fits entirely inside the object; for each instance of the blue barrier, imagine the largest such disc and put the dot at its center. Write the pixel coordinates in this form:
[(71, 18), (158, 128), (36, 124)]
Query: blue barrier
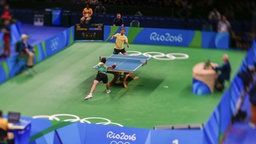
[(200, 88), (15, 35), (3, 72), (186, 38), (1, 41), (175, 137), (82, 133)]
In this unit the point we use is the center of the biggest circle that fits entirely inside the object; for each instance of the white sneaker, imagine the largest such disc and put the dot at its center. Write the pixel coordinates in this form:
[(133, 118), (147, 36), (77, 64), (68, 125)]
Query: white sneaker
[(88, 97), (108, 91)]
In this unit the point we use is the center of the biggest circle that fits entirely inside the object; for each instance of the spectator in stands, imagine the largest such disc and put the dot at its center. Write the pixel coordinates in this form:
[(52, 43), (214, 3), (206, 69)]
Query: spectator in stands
[(4, 126), (87, 15), (118, 21), (100, 9), (224, 74), (246, 76), (138, 13), (7, 35), (2, 2), (223, 25), (94, 2), (104, 1), (25, 49), (113, 2), (214, 15)]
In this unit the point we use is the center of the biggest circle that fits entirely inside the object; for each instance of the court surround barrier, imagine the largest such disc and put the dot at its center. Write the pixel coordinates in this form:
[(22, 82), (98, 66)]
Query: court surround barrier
[(11, 66), (43, 131)]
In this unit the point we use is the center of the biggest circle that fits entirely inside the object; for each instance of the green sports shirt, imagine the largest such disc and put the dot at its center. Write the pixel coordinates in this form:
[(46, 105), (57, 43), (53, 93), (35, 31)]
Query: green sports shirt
[(102, 67)]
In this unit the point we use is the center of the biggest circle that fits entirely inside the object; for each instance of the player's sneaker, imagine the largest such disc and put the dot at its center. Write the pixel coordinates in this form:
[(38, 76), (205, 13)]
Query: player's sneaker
[(88, 97), (108, 91)]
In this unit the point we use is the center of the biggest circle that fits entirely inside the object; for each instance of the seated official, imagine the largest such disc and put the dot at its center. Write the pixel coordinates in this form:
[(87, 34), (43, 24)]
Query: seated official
[(224, 74), (25, 49), (87, 15), (4, 127)]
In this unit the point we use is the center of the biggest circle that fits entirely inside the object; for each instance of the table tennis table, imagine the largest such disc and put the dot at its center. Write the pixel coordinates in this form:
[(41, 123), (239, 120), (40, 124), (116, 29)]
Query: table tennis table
[(125, 64)]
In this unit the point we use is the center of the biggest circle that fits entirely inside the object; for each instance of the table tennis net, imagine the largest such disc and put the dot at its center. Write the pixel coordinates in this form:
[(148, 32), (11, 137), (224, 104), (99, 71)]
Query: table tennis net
[(129, 59)]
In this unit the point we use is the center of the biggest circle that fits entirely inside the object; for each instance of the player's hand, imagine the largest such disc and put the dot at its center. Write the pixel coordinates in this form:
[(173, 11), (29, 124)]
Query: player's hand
[(113, 66), (83, 18)]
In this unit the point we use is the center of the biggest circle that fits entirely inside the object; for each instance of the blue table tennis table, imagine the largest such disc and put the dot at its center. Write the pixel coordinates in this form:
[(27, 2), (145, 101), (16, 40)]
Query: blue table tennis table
[(125, 64)]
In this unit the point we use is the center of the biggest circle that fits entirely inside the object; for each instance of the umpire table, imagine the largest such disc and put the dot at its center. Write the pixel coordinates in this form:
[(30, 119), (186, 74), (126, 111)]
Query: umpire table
[(125, 65)]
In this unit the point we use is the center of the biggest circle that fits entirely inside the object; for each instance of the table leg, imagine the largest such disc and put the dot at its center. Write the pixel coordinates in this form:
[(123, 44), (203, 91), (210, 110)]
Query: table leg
[(116, 77), (126, 75)]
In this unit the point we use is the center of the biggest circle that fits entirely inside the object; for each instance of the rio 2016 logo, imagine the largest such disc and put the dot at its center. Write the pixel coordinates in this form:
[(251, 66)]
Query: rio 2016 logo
[(120, 138), (167, 37), (119, 142), (160, 55)]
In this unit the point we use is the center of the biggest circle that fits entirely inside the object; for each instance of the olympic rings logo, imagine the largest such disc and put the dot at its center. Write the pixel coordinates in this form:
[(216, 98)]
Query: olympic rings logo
[(119, 142), (54, 43), (75, 118), (160, 55)]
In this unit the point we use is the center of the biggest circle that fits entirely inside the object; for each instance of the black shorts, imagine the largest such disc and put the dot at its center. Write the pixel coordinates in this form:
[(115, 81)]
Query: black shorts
[(102, 77), (117, 51)]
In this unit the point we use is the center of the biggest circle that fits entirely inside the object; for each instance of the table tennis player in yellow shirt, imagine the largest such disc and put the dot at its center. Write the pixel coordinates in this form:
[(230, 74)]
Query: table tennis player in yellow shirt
[(120, 40)]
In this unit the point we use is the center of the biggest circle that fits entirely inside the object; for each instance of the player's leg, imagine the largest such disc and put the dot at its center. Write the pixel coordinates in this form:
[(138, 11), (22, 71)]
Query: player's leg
[(219, 85), (7, 49), (95, 83), (116, 51), (10, 136), (82, 20), (105, 81), (123, 51), (87, 20), (30, 62)]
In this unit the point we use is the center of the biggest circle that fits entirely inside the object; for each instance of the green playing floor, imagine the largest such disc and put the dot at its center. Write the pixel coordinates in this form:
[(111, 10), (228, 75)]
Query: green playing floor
[(161, 96)]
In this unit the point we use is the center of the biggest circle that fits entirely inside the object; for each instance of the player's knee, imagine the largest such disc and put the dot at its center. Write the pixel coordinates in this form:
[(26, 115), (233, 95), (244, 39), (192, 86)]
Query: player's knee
[(95, 82), (10, 135), (31, 54)]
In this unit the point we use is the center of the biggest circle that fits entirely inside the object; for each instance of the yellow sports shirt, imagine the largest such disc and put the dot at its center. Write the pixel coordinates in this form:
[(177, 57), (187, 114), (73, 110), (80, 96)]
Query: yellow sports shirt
[(87, 12), (120, 39)]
